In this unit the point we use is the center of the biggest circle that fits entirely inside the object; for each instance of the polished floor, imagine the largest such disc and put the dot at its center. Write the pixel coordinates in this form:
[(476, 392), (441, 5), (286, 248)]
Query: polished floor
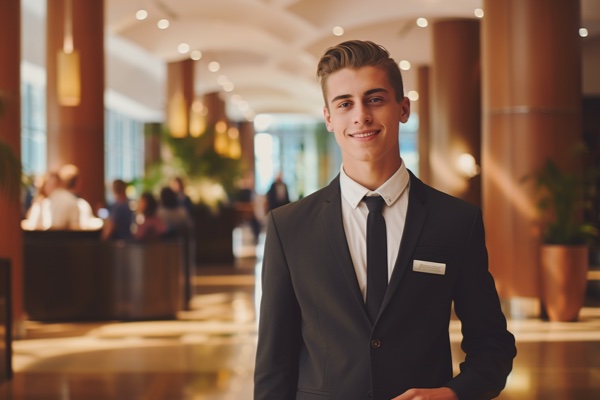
[(208, 352)]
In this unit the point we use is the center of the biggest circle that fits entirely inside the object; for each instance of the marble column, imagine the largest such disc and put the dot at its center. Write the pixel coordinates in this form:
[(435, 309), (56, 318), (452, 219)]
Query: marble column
[(11, 239), (424, 124), (76, 133), (531, 67), (455, 107)]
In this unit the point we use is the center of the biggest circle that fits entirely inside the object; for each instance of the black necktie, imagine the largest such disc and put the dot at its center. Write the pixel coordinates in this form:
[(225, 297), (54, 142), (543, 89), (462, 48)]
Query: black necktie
[(377, 269)]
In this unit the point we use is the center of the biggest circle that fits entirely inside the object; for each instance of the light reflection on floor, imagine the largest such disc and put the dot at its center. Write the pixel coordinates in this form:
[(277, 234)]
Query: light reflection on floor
[(208, 353)]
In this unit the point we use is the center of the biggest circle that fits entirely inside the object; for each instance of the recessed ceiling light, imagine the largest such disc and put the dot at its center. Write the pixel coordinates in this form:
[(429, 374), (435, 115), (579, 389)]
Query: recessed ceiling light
[(183, 48), (583, 32), (214, 66), (141, 14), (196, 55), (338, 31), (478, 13), (163, 24), (422, 22), (228, 86), (404, 65)]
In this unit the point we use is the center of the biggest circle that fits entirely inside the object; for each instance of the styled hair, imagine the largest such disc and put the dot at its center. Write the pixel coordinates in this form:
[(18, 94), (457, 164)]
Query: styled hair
[(355, 54)]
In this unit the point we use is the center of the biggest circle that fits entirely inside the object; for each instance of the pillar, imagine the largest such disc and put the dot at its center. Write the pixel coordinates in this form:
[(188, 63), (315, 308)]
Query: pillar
[(180, 96), (455, 107), (531, 63), (247, 143), (76, 133), (424, 124), (11, 240), (216, 108)]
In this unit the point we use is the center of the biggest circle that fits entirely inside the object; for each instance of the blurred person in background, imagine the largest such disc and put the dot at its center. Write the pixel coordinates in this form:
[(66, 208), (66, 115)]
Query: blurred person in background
[(149, 225), (117, 226)]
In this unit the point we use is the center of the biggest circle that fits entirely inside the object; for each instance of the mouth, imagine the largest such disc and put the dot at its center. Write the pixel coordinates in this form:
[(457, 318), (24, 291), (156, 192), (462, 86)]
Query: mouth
[(364, 134)]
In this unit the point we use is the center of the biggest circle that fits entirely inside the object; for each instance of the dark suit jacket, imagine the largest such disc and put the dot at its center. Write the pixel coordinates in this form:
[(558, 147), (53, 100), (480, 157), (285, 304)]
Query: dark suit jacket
[(315, 337)]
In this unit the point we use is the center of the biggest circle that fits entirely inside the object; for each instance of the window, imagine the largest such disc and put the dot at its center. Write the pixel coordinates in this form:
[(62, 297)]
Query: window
[(33, 129), (123, 147)]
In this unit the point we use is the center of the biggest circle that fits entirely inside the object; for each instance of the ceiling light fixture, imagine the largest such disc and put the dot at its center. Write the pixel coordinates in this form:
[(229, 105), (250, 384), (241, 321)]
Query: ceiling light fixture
[(404, 65), (478, 13), (413, 95), (214, 66), (422, 22), (163, 24), (583, 32), (196, 55), (141, 14), (338, 31), (183, 48)]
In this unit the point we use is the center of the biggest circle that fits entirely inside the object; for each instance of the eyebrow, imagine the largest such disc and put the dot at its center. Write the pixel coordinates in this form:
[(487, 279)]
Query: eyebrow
[(367, 93)]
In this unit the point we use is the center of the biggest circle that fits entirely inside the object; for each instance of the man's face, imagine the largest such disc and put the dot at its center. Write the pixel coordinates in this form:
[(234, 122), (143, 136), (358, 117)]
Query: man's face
[(364, 115)]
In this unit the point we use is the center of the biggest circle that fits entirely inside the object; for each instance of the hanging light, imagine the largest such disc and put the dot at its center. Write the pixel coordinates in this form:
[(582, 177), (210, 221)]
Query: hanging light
[(221, 140), (197, 119), (177, 118), (68, 69), (235, 147)]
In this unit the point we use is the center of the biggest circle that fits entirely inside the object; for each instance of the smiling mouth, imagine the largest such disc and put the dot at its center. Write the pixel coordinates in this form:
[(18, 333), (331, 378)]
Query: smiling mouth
[(364, 134)]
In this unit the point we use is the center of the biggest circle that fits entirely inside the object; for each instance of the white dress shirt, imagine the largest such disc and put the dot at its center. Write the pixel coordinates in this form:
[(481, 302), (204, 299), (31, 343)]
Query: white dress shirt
[(354, 214)]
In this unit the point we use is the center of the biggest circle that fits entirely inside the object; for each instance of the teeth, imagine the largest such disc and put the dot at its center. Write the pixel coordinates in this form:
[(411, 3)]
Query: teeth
[(364, 134)]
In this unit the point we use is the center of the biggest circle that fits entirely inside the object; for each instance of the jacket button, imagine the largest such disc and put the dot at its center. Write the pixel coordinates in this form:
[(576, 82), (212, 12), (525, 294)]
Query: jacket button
[(376, 343)]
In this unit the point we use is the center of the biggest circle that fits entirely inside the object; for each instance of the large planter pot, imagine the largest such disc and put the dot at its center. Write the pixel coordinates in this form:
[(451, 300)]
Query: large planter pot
[(564, 279)]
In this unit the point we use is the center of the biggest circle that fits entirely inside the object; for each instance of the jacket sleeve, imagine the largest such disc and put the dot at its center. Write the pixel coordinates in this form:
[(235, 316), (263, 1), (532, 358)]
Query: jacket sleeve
[(279, 329), (488, 345)]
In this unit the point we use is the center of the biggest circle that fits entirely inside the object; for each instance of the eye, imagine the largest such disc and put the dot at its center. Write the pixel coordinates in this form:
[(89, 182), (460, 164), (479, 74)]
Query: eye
[(344, 104), (375, 100)]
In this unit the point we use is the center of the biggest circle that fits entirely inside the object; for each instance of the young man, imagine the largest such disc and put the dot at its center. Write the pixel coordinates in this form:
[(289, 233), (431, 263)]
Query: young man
[(320, 334)]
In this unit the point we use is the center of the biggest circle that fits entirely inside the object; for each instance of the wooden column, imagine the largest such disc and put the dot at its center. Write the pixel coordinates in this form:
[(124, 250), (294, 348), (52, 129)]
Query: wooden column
[(455, 106), (216, 108), (11, 240), (247, 143), (180, 96), (531, 62), (424, 124), (76, 133)]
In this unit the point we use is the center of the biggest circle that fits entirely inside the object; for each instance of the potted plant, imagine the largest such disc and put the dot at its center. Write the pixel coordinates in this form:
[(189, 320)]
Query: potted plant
[(565, 239)]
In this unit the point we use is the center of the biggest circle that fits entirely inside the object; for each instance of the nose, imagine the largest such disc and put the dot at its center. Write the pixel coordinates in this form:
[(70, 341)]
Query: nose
[(362, 114)]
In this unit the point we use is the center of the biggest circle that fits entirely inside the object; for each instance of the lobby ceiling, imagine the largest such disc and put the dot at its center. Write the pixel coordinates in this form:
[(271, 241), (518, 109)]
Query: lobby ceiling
[(268, 49)]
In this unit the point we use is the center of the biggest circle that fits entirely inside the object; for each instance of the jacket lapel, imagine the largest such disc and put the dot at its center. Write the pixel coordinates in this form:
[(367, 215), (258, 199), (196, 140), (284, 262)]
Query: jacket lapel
[(332, 222), (415, 219)]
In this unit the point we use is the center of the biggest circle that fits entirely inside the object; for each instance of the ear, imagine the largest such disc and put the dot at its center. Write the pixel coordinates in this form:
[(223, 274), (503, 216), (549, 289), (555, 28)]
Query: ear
[(327, 119), (404, 110)]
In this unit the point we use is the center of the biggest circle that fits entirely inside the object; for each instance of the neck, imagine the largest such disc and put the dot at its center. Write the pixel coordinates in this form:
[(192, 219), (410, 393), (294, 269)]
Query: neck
[(372, 174)]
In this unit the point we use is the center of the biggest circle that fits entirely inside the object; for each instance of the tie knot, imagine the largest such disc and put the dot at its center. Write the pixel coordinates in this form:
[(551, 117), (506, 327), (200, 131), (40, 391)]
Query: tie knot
[(374, 203)]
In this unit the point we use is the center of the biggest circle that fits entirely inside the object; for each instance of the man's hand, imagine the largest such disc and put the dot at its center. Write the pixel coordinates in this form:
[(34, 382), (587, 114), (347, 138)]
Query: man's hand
[(428, 394)]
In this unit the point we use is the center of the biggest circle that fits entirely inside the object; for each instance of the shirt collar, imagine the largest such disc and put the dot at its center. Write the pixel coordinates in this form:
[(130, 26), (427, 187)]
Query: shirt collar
[(353, 192)]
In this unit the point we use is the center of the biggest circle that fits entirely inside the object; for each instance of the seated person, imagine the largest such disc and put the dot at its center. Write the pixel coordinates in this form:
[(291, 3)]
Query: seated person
[(150, 226)]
